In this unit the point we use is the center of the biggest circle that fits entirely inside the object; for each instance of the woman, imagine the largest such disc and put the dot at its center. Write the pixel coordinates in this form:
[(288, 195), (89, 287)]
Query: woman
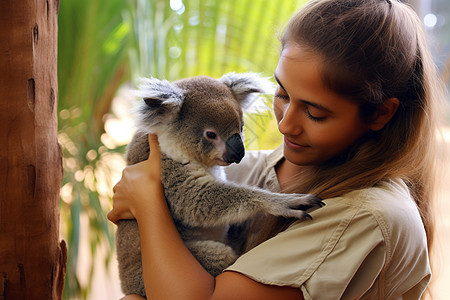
[(357, 104)]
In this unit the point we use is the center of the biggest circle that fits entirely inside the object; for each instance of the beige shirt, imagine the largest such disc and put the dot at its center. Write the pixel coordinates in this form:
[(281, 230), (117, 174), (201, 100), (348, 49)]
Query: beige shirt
[(368, 244)]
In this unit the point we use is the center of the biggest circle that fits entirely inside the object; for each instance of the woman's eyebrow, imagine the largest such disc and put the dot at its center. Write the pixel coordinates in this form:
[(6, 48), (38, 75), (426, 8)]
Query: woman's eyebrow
[(278, 81), (316, 105)]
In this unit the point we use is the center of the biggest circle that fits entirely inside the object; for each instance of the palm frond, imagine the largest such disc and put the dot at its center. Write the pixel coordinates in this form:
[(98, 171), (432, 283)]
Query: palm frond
[(92, 64)]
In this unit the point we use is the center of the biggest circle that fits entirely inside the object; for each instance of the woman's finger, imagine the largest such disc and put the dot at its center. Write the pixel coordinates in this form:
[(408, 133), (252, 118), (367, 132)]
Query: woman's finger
[(120, 210), (112, 217)]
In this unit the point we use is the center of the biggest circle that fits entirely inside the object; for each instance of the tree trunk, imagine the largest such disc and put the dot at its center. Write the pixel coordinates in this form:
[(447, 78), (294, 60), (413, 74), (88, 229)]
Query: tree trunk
[(32, 260)]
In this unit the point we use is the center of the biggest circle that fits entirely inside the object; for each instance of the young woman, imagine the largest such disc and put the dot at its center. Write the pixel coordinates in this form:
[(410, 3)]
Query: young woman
[(357, 103)]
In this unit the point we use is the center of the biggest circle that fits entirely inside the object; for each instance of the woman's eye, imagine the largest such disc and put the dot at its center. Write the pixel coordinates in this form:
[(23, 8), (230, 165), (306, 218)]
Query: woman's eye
[(281, 93), (211, 135), (313, 116), (281, 96)]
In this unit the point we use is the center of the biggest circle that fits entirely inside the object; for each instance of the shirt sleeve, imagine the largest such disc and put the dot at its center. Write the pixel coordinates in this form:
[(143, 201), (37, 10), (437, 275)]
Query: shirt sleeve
[(338, 254)]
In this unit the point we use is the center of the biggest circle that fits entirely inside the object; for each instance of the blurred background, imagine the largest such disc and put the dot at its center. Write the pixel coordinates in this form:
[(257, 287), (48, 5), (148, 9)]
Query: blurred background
[(105, 46)]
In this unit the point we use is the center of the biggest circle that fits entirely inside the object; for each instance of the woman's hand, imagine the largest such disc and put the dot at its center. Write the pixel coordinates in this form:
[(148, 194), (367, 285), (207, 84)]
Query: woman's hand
[(133, 193)]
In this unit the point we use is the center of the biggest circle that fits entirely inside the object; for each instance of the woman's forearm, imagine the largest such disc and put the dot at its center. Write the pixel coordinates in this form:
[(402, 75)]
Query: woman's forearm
[(170, 270)]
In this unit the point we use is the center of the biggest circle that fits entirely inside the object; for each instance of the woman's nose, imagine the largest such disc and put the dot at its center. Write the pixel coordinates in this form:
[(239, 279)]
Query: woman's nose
[(290, 124)]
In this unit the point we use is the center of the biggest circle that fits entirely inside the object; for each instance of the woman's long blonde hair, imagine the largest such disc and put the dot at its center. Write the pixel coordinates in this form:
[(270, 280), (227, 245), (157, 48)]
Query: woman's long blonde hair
[(374, 50)]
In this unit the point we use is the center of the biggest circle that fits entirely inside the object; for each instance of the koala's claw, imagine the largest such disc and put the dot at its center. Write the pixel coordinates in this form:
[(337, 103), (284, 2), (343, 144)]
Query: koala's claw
[(315, 201), (307, 201), (295, 206)]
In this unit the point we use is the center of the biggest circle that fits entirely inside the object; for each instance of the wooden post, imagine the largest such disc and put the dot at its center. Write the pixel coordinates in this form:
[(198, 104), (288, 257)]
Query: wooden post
[(32, 260)]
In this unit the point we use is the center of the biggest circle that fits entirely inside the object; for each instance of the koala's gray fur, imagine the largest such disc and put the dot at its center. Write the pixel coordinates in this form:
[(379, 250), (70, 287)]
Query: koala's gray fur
[(199, 123)]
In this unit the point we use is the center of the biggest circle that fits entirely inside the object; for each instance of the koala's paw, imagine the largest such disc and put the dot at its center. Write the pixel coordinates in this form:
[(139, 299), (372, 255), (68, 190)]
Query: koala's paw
[(294, 205)]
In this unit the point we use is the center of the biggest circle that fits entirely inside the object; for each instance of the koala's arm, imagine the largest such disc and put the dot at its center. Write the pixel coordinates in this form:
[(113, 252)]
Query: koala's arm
[(204, 201)]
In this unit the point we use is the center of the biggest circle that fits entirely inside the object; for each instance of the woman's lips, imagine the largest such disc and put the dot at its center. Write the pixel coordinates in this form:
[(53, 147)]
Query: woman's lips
[(293, 145)]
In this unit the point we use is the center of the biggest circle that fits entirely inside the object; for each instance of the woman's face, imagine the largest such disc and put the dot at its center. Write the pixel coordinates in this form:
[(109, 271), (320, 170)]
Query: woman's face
[(317, 123)]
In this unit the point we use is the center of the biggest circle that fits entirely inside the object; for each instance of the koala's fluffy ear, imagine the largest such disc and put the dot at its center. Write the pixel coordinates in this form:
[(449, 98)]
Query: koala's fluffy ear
[(247, 86), (161, 102)]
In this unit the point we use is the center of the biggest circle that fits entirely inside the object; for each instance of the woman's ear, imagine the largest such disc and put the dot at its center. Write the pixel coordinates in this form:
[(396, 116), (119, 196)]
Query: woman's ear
[(384, 114)]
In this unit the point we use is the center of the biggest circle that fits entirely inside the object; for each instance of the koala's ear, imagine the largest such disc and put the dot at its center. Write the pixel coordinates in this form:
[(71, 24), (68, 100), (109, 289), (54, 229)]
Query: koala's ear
[(158, 93), (161, 102), (247, 86)]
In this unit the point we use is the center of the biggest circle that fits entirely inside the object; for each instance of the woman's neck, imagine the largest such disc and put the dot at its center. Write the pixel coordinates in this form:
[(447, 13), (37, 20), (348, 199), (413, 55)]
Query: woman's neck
[(288, 173)]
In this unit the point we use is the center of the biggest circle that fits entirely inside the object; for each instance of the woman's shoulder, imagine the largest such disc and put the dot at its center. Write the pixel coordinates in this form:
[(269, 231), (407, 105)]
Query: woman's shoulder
[(391, 205), (397, 217), (385, 215), (391, 210)]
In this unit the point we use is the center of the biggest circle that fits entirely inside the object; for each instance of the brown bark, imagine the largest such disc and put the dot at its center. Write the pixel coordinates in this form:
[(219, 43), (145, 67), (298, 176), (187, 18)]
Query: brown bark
[(32, 260)]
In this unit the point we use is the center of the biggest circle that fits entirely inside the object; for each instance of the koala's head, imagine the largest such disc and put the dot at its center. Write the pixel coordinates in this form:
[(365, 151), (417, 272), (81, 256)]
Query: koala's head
[(199, 118)]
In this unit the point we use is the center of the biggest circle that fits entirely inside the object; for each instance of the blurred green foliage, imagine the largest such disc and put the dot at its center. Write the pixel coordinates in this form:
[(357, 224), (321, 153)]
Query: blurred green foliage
[(92, 62), (104, 44)]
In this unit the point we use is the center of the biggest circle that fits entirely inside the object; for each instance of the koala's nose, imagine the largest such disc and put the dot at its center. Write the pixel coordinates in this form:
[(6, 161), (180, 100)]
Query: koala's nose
[(234, 149)]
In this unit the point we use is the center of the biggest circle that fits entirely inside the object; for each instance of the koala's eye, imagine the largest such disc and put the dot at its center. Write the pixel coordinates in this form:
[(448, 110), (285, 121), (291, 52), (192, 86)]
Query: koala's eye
[(211, 135)]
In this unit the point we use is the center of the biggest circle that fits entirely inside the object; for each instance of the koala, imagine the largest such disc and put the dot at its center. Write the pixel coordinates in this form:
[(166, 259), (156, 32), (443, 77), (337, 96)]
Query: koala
[(199, 123)]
